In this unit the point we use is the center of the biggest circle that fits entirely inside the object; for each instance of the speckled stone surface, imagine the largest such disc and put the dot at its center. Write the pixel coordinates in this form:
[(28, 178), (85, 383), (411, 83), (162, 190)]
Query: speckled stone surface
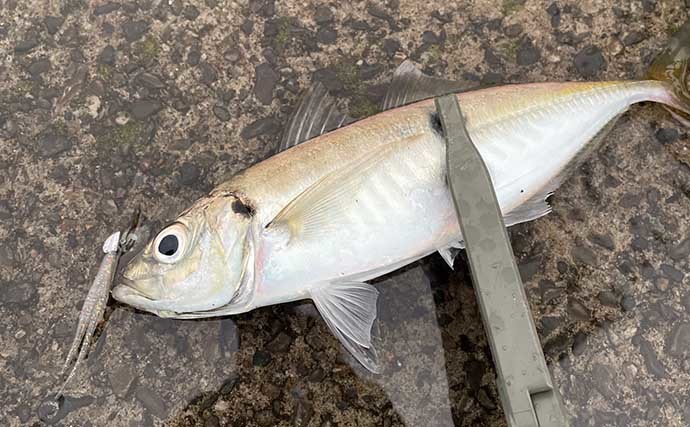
[(107, 105)]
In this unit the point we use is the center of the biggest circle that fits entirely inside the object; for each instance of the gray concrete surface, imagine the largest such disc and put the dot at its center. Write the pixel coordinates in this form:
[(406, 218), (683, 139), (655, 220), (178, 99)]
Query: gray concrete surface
[(108, 105)]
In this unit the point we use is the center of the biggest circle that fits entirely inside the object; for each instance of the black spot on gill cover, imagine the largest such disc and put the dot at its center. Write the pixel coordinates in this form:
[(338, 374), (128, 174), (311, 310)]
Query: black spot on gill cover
[(241, 208)]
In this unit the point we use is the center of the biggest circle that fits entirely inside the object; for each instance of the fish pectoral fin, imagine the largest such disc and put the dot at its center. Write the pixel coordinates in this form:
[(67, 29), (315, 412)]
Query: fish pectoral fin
[(349, 309), (411, 85), (322, 208), (315, 115), (450, 252)]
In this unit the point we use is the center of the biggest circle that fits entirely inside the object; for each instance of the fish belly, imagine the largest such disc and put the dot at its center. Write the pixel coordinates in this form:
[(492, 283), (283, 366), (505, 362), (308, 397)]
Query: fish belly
[(527, 135)]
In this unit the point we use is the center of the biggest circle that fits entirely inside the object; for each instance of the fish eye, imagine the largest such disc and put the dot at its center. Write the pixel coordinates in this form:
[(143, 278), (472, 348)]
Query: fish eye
[(170, 243)]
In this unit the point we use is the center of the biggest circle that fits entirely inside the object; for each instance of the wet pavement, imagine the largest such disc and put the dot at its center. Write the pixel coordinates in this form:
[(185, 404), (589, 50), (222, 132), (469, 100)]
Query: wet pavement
[(105, 106)]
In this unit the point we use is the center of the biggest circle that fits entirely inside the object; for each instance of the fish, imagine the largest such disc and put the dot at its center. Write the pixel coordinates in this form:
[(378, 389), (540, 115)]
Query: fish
[(345, 201)]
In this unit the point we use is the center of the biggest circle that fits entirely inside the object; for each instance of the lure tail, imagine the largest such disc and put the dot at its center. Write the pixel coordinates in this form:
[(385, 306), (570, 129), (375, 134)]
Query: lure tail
[(672, 66)]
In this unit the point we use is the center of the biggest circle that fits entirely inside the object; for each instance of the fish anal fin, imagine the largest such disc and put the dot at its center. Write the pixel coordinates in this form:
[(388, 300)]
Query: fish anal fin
[(533, 208), (349, 310)]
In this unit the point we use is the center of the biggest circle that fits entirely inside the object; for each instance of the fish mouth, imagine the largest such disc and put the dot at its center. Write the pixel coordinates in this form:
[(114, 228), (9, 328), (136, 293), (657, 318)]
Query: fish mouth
[(127, 292)]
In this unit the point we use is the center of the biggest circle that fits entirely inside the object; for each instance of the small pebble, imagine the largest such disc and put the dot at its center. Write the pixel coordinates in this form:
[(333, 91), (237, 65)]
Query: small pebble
[(633, 38), (628, 303), (221, 113), (579, 343), (666, 135), (261, 358), (212, 421), (265, 81), (323, 15), (25, 46), (609, 298), (208, 73), (577, 310), (189, 173), (528, 54), (145, 108), (589, 61)]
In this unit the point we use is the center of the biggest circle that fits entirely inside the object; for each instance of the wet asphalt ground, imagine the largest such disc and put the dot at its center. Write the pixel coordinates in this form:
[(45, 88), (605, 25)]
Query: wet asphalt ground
[(105, 106)]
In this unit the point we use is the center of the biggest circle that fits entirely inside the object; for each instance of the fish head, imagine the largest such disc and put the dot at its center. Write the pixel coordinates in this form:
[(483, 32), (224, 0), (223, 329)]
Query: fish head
[(197, 263)]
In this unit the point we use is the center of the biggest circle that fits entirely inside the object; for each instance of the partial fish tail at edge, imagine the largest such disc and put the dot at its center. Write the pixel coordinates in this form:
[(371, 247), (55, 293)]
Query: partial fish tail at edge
[(672, 67)]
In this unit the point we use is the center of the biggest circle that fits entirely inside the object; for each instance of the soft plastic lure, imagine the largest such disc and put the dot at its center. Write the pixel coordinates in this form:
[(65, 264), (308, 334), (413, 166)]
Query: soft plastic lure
[(116, 245)]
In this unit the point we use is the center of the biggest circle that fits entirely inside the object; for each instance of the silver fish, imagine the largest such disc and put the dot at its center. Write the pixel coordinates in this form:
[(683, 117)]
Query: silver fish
[(347, 202)]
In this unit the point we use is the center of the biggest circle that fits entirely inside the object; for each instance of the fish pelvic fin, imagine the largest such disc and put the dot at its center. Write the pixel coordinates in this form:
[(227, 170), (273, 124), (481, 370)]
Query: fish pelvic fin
[(672, 66), (349, 310)]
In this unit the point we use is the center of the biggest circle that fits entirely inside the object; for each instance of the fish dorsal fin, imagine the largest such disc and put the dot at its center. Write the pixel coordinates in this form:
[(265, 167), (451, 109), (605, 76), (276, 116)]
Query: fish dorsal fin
[(349, 310), (410, 85), (315, 115)]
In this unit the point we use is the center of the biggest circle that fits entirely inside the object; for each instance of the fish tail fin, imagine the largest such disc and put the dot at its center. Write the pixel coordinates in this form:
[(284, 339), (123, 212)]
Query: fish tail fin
[(672, 67)]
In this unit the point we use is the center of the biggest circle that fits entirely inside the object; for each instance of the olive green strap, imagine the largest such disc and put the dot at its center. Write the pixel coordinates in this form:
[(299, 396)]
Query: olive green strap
[(524, 382)]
